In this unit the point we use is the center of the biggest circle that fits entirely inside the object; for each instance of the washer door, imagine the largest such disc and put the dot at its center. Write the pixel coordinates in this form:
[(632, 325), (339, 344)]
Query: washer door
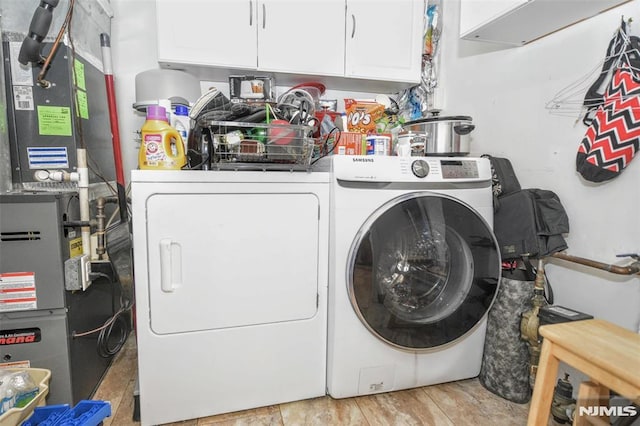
[(423, 271)]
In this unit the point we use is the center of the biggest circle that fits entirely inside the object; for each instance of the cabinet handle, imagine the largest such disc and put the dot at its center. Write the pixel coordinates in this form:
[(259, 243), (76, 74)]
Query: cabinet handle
[(166, 271), (353, 20), (264, 15), (250, 13)]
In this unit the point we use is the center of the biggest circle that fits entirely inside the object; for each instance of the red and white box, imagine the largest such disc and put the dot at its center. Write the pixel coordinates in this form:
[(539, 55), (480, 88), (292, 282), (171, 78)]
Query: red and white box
[(350, 143)]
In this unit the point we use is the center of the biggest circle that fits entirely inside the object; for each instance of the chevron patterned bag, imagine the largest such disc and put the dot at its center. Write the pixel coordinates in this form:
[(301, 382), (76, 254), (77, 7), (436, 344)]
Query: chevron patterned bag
[(613, 137)]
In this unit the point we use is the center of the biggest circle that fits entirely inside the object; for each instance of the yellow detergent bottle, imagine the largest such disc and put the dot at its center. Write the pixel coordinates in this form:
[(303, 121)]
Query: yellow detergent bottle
[(162, 147)]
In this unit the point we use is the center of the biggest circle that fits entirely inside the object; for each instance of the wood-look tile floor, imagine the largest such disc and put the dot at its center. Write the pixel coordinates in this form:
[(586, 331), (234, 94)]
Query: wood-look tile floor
[(465, 402)]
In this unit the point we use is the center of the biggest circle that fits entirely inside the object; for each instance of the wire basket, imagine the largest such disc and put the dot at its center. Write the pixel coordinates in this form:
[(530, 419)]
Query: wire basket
[(278, 143)]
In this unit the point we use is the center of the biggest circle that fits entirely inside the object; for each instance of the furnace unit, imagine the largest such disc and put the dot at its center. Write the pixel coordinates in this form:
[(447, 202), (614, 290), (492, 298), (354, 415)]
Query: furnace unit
[(62, 304)]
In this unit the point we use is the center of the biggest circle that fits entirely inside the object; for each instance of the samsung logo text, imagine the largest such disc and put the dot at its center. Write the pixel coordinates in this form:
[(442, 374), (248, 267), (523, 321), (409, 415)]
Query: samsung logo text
[(362, 160)]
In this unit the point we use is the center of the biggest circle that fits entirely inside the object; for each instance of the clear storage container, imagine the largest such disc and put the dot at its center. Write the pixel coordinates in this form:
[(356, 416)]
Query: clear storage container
[(15, 416)]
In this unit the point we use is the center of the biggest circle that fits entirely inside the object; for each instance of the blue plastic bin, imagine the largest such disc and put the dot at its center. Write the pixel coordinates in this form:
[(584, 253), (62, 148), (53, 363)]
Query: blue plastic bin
[(85, 413)]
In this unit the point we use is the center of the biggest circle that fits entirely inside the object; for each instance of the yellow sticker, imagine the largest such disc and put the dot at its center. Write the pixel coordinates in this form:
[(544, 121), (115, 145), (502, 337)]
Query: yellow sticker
[(75, 247), (54, 120), (83, 104), (78, 68)]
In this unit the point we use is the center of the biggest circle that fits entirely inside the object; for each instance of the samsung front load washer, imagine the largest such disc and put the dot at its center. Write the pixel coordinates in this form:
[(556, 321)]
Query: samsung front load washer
[(414, 268)]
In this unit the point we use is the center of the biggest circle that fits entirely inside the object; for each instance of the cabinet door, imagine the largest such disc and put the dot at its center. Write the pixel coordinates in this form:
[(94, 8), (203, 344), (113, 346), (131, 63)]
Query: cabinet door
[(384, 39), (203, 32), (301, 36), (225, 260)]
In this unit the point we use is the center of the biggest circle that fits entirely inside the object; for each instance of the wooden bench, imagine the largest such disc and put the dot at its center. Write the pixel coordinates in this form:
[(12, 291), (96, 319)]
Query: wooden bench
[(607, 353)]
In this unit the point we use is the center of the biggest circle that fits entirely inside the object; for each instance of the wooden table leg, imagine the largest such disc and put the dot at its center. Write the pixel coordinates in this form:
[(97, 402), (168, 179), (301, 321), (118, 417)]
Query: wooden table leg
[(591, 394), (544, 386)]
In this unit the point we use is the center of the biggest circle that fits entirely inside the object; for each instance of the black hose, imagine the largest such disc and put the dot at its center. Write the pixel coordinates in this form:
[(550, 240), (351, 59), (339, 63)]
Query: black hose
[(105, 336), (116, 323)]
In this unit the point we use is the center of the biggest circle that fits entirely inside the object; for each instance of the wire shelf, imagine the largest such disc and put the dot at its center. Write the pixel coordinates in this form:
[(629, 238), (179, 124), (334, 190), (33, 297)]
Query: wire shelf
[(273, 146)]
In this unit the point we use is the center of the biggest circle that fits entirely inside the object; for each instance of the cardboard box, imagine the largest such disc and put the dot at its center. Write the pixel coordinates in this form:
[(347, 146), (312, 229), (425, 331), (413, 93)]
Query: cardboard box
[(350, 143)]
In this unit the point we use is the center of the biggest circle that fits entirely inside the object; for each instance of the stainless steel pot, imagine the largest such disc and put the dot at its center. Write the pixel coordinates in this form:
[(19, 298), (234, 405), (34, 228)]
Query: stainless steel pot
[(443, 135)]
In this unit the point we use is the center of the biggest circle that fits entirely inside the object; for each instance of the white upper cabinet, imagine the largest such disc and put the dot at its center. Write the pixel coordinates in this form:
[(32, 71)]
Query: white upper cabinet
[(373, 40), (301, 36), (212, 33), (517, 22), (384, 39)]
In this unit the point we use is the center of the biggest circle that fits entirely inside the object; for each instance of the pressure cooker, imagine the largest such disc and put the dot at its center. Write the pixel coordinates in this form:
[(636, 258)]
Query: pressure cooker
[(437, 135)]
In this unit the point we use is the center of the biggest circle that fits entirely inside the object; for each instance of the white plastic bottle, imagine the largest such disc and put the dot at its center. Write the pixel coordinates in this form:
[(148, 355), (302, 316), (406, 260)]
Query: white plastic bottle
[(182, 122)]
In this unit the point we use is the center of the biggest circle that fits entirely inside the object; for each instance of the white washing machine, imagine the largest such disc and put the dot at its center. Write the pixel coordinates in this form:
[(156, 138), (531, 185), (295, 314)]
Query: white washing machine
[(231, 276), (413, 271)]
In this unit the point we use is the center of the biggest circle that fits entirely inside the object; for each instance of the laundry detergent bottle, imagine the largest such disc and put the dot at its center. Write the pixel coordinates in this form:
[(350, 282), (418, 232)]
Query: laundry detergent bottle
[(162, 147)]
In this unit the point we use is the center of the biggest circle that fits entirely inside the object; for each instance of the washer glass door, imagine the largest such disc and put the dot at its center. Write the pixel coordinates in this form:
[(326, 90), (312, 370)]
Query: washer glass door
[(423, 271)]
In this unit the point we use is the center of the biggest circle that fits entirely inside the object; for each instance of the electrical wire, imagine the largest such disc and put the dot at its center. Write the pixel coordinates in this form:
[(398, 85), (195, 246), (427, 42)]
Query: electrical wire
[(105, 349), (109, 224), (548, 290), (204, 159), (66, 212), (324, 150)]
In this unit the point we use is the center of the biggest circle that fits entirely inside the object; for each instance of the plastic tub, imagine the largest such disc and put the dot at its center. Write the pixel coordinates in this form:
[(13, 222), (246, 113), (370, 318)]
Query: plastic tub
[(15, 416), (85, 413)]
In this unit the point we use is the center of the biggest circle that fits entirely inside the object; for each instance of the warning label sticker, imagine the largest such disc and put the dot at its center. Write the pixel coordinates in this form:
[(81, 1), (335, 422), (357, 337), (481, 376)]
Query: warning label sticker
[(75, 247), (18, 291)]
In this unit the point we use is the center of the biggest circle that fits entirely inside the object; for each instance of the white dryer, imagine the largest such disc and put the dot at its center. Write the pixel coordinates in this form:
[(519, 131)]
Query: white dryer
[(414, 268), (231, 289)]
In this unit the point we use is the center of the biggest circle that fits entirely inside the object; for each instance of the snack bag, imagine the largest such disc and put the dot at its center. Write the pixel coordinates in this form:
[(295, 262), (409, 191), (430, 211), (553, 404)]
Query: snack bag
[(362, 116)]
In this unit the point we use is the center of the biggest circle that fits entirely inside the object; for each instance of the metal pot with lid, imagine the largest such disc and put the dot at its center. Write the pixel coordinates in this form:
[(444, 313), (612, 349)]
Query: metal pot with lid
[(442, 135)]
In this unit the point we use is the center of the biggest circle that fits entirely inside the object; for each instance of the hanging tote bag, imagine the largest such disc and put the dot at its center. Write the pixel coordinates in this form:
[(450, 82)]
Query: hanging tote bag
[(613, 137), (594, 98)]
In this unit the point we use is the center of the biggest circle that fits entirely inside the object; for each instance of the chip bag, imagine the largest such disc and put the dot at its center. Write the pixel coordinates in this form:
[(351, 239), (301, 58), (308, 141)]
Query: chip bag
[(362, 116)]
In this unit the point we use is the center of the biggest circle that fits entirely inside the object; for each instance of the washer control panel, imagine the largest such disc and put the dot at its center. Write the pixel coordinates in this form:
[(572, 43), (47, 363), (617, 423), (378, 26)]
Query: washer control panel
[(420, 168), (379, 168), (459, 169)]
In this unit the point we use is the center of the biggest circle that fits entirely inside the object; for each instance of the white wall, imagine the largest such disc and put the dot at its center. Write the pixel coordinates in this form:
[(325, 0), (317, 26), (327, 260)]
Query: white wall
[(505, 90), (133, 47)]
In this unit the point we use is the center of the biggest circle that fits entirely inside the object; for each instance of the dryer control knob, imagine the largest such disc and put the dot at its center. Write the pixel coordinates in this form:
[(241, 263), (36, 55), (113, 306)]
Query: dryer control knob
[(420, 168)]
